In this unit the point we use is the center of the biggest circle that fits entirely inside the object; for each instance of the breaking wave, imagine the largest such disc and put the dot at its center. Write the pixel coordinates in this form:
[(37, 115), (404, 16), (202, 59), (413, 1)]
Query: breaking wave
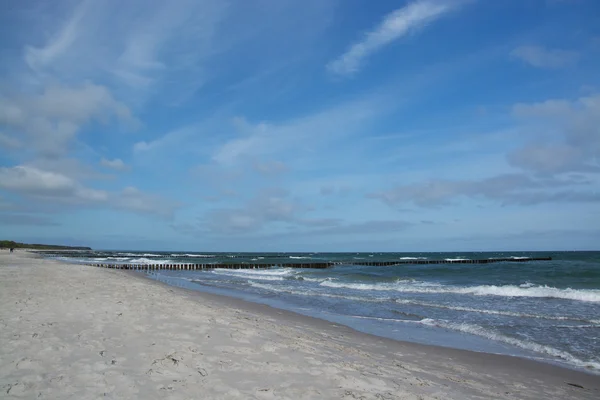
[(278, 274), (523, 344), (589, 295), (594, 322)]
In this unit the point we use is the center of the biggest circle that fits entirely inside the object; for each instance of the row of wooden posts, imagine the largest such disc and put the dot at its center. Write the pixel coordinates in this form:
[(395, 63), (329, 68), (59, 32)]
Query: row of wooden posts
[(317, 265)]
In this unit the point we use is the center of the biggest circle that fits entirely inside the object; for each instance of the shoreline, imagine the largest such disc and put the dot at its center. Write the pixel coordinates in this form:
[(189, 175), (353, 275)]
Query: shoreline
[(256, 351), (294, 317)]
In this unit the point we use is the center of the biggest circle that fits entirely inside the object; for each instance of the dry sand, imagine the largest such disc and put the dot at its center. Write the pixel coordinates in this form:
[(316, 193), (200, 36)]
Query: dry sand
[(77, 332)]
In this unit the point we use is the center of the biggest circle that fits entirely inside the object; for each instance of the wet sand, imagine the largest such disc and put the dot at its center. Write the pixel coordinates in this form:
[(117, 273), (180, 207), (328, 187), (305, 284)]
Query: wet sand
[(74, 332)]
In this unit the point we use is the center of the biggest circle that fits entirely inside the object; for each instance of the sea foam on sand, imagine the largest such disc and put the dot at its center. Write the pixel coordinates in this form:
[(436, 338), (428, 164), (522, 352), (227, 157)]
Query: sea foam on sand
[(79, 332)]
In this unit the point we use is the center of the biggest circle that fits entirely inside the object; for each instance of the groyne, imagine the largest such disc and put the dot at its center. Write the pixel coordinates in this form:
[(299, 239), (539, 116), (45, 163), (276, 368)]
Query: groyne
[(315, 265)]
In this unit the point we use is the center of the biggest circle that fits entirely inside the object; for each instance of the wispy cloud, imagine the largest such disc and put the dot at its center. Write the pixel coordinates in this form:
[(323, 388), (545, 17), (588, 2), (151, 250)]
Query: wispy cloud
[(541, 57), (561, 141), (40, 57), (303, 134), (394, 26), (31, 181), (44, 186), (51, 119), (117, 164), (571, 141), (505, 189)]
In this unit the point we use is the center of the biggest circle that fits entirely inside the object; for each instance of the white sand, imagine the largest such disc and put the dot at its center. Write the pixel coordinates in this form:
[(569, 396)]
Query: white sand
[(76, 332)]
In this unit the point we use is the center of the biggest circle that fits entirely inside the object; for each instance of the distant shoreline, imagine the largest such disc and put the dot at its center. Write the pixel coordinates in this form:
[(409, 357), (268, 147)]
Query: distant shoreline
[(10, 244)]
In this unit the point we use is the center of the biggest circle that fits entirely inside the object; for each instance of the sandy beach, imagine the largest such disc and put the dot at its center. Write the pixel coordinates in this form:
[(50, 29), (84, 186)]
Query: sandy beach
[(78, 332)]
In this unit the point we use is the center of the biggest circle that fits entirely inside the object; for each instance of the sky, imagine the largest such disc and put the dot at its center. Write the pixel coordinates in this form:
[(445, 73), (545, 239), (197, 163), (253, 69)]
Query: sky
[(314, 125)]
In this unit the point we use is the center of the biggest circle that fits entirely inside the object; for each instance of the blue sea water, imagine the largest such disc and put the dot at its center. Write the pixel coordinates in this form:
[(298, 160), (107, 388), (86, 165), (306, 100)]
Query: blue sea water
[(546, 310)]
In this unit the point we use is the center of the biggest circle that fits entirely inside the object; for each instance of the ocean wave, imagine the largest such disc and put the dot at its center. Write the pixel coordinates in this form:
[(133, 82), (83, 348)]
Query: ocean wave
[(305, 278), (283, 289), (362, 286), (266, 286), (299, 258), (456, 259), (278, 274), (588, 295), (143, 260), (497, 312), (523, 344), (412, 258), (378, 318), (140, 255), (194, 255)]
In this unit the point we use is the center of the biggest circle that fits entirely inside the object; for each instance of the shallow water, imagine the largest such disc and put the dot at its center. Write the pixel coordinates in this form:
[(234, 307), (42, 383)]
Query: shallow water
[(548, 310)]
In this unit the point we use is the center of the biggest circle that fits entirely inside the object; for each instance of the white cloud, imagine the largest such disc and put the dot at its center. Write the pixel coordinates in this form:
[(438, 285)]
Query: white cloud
[(175, 140), (541, 57), (268, 207), (300, 135), (38, 183), (50, 120), (39, 57), (134, 42), (52, 187), (570, 138), (394, 26), (116, 164), (564, 140), (506, 189)]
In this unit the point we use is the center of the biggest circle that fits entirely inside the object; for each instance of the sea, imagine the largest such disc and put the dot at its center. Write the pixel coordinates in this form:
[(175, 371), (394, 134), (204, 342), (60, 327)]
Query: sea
[(543, 310)]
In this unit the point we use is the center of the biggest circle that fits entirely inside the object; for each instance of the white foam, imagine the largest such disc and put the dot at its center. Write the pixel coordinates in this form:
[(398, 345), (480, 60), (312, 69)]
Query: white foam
[(312, 279), (278, 274), (527, 345), (413, 258), (194, 255), (361, 286), (588, 295), (266, 287), (496, 312), (298, 258), (456, 259), (378, 318), (144, 260)]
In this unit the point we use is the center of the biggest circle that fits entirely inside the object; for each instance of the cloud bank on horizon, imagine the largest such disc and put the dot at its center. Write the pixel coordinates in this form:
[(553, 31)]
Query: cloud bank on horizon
[(322, 125)]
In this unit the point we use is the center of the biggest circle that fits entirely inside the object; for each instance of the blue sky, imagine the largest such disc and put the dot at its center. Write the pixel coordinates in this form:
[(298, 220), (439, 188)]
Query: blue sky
[(329, 125)]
